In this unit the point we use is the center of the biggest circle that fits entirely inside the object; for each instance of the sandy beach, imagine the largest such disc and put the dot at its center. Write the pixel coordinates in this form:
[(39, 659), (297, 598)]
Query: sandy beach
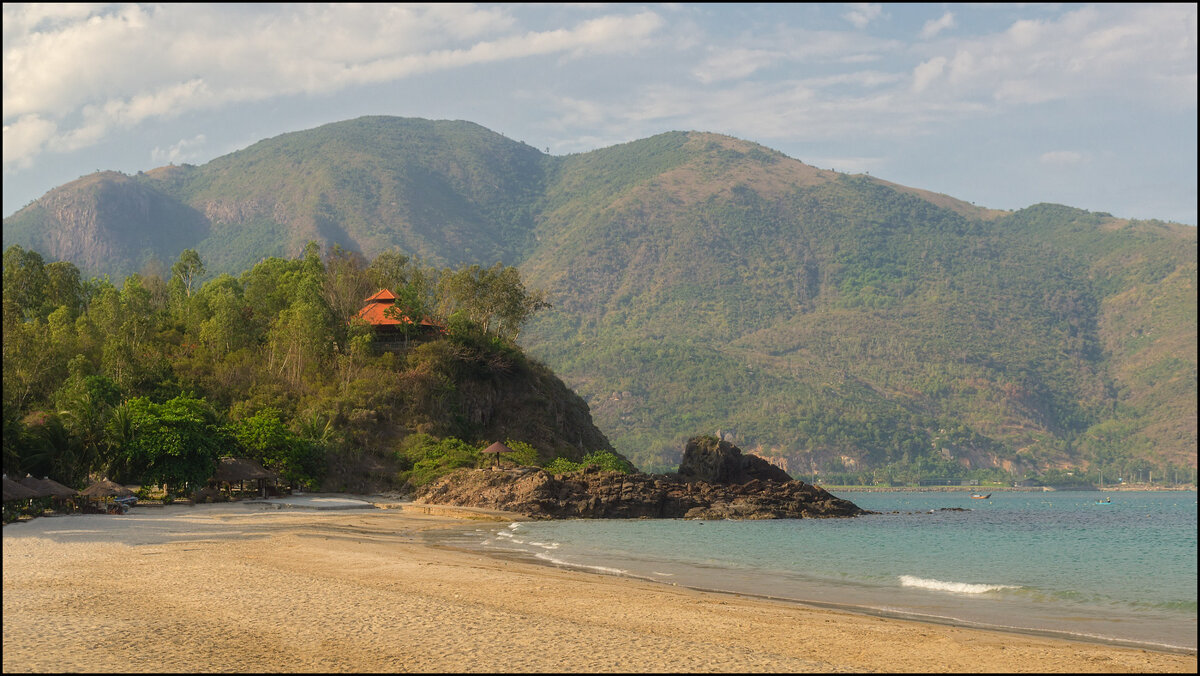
[(251, 587)]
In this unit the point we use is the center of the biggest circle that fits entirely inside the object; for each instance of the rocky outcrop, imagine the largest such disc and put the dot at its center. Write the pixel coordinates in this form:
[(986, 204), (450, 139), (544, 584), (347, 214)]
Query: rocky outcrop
[(594, 494), (711, 460)]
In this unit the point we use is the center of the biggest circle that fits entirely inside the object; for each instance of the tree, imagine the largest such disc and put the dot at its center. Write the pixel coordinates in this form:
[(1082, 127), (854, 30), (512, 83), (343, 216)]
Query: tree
[(268, 289), (51, 450), (188, 269), (347, 282), (29, 362), (25, 281), (64, 288), (226, 326), (85, 403), (301, 340), (409, 309), (265, 438), (495, 298), (175, 443)]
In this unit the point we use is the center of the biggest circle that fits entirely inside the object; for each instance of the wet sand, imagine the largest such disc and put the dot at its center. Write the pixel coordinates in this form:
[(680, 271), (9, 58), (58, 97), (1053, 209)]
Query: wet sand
[(248, 587)]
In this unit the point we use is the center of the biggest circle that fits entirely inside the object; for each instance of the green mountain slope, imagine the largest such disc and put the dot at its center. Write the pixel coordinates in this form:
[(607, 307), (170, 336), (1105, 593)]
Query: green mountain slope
[(703, 282)]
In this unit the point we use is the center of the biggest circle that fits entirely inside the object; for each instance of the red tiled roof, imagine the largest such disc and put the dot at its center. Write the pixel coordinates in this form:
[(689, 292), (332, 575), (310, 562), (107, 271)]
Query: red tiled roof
[(372, 312), (382, 295)]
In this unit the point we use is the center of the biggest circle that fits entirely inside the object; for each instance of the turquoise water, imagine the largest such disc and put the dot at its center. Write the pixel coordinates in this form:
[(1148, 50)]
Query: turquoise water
[(1054, 563)]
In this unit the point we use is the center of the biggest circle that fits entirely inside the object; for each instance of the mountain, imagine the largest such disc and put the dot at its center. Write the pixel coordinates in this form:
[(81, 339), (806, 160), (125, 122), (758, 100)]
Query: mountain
[(837, 322)]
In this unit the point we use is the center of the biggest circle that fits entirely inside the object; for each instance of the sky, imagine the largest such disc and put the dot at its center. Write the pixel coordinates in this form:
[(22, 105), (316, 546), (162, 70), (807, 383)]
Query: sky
[(1002, 105)]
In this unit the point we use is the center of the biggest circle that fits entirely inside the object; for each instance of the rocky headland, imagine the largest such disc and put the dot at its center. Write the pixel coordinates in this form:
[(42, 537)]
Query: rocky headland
[(715, 481)]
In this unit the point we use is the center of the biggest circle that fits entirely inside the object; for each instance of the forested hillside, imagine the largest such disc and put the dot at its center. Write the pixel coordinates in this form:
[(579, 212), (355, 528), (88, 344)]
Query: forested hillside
[(149, 383), (850, 326)]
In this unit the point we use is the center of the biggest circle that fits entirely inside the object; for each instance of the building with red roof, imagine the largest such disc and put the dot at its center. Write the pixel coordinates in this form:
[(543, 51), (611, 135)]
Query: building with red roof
[(374, 313)]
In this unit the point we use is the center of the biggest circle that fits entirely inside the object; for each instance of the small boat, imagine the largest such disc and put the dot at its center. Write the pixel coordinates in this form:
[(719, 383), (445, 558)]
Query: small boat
[(980, 496), (1105, 501)]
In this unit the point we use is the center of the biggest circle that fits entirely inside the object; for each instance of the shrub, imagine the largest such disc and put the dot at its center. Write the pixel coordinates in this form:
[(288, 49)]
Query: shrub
[(523, 453), (561, 465), (431, 457), (606, 461)]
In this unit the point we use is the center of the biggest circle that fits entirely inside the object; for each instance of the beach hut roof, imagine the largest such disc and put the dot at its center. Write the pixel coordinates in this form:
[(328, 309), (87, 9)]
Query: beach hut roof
[(34, 485), (15, 491), (497, 448), (105, 489), (241, 469), (48, 487), (64, 490)]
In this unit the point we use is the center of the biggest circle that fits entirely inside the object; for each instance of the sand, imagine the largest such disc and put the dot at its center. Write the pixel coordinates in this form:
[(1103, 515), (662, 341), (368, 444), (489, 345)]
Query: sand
[(252, 588)]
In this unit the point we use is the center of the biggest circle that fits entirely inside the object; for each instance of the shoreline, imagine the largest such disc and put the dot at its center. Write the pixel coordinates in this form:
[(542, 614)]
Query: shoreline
[(865, 610), (237, 587), (871, 611)]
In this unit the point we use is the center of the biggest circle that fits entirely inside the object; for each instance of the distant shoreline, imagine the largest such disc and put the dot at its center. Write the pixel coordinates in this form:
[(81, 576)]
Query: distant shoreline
[(998, 489)]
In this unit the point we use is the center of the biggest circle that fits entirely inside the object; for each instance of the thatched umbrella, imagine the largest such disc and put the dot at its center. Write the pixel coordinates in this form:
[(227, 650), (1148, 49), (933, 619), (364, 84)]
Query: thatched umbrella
[(105, 489), (14, 491), (61, 489), (34, 485), (48, 486), (496, 449)]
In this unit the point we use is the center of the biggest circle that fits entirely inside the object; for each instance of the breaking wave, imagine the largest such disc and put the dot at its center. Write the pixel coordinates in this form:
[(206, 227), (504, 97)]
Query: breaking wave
[(959, 587)]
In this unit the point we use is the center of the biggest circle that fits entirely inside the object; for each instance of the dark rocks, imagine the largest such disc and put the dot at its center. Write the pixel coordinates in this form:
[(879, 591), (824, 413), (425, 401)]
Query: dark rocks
[(593, 494), (715, 481), (713, 461)]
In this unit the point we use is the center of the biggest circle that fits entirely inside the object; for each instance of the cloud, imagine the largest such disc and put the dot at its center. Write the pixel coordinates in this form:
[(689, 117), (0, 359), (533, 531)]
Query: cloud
[(1061, 157), (927, 72), (935, 26), (862, 104), (863, 13), (184, 150), (725, 64), (72, 74), (24, 139), (789, 47), (1142, 53), (849, 165)]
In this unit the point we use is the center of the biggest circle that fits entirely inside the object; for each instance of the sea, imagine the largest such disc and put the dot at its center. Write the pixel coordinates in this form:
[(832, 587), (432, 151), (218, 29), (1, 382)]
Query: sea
[(1045, 563)]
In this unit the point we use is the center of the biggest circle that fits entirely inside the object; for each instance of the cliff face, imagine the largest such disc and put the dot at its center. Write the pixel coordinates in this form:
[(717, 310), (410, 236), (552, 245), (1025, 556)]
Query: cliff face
[(535, 406), (476, 394), (107, 217)]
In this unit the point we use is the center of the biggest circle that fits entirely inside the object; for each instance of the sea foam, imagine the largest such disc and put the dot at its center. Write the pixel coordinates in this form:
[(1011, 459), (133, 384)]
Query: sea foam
[(960, 587)]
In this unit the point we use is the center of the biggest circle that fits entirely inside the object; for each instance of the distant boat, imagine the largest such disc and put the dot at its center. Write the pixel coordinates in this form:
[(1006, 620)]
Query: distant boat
[(1105, 501), (980, 496)]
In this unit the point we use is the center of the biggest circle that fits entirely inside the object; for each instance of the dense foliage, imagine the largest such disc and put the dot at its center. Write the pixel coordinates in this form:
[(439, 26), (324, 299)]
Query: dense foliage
[(151, 382)]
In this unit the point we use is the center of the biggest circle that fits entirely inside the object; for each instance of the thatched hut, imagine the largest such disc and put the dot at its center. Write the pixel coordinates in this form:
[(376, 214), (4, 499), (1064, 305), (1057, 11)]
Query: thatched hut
[(241, 470)]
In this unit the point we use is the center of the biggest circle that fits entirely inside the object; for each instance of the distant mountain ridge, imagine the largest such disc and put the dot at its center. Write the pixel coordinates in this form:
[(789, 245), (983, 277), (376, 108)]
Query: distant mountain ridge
[(700, 282)]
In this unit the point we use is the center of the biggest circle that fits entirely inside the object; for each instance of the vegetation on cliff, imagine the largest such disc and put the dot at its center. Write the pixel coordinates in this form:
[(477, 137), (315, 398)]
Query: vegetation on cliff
[(150, 382)]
